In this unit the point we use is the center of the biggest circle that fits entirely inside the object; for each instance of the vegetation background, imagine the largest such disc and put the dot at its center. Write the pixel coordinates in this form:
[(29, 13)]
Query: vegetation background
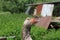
[(12, 17), (18, 6)]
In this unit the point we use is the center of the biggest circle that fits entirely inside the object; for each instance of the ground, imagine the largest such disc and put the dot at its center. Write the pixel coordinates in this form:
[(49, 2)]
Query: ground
[(11, 24)]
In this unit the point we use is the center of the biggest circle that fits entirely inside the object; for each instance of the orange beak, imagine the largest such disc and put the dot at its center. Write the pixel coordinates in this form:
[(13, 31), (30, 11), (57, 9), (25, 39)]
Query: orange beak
[(33, 20)]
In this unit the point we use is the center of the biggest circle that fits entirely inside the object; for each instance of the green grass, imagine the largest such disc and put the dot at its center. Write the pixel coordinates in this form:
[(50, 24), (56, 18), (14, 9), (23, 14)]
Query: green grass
[(11, 24)]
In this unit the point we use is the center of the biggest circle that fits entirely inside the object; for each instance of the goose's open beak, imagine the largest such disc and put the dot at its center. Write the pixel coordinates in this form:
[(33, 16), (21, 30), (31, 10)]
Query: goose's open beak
[(33, 20)]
